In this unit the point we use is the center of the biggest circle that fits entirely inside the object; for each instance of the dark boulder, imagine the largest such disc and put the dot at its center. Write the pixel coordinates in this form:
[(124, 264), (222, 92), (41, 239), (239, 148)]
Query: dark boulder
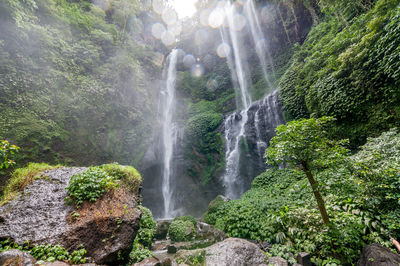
[(105, 228), (374, 255), (15, 257)]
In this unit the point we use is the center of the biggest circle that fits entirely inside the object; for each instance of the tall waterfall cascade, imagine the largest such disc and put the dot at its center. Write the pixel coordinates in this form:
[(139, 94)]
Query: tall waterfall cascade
[(263, 115), (234, 132), (169, 132)]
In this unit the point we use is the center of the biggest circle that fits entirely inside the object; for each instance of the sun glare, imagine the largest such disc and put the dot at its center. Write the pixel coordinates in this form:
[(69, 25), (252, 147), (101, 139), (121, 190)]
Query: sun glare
[(184, 8)]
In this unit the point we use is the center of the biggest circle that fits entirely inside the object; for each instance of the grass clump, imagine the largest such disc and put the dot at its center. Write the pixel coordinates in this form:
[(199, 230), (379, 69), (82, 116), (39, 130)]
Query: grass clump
[(21, 178), (90, 185), (128, 175)]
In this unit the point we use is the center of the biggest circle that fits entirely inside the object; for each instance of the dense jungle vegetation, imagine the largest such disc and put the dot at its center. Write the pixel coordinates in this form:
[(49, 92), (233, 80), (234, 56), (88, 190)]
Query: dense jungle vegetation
[(348, 67), (78, 85), (75, 86)]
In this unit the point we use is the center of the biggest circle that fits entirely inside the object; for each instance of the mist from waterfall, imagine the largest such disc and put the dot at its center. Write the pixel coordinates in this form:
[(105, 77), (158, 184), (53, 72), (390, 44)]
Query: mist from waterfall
[(169, 132), (260, 42)]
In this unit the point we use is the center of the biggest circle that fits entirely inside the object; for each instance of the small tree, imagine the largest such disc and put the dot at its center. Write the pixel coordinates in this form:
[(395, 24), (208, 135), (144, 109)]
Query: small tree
[(305, 144), (6, 150)]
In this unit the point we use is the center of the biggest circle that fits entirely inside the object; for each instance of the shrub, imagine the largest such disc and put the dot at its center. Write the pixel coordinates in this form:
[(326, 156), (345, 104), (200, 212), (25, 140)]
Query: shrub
[(21, 178), (6, 151), (147, 227), (128, 175), (139, 253), (188, 218), (144, 237), (180, 230), (89, 185), (215, 210)]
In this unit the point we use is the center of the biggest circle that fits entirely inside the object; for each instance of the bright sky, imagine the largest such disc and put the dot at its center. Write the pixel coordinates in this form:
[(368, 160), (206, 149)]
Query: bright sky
[(184, 8)]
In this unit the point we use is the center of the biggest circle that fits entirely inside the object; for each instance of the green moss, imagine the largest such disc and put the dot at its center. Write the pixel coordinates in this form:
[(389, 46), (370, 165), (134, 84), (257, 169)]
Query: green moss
[(128, 175), (21, 178)]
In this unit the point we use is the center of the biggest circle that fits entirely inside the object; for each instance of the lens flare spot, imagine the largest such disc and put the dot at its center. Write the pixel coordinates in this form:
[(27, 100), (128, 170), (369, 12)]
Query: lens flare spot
[(168, 38), (189, 60), (169, 16), (201, 36), (239, 22), (157, 30), (175, 29), (197, 70), (216, 18), (204, 14), (158, 6), (223, 50)]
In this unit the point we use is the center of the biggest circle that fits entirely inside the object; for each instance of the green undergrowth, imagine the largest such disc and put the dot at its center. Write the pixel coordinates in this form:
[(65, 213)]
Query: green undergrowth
[(361, 196), (144, 237), (22, 177), (47, 253), (96, 181), (182, 228)]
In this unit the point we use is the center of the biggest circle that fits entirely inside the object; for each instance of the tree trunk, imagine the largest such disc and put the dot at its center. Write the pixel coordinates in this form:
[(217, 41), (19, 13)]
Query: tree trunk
[(318, 197)]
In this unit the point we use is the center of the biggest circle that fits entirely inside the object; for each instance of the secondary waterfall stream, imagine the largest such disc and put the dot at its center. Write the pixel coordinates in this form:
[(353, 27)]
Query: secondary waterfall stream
[(168, 132), (265, 111)]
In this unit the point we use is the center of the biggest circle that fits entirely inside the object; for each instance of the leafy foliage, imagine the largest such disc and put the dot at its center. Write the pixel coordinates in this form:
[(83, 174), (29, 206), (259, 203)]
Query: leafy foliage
[(6, 151), (348, 67), (147, 227), (139, 253), (47, 252), (75, 86), (361, 197), (89, 185), (305, 142), (180, 230), (144, 237), (188, 218)]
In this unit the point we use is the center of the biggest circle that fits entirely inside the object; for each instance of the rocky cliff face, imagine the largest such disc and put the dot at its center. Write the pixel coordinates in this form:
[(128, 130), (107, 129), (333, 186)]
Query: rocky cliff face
[(105, 228)]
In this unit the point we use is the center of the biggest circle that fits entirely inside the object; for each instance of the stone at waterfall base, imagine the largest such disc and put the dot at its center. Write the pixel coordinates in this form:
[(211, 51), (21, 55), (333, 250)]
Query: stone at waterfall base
[(15, 257), (376, 255), (230, 252), (106, 228)]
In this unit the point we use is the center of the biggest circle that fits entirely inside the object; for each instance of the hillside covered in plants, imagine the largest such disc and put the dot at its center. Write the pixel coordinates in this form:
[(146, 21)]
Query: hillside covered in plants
[(273, 121)]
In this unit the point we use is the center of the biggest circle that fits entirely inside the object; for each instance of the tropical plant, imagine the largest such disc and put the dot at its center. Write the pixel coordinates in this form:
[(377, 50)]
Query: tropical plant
[(7, 150), (304, 144), (90, 185)]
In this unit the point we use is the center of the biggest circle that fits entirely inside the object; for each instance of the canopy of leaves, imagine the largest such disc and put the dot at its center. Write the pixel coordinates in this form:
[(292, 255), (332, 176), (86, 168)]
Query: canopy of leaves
[(305, 142)]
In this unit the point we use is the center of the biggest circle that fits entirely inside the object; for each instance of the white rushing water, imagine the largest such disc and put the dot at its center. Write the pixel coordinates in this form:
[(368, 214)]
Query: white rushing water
[(260, 42), (234, 131), (263, 112), (168, 132)]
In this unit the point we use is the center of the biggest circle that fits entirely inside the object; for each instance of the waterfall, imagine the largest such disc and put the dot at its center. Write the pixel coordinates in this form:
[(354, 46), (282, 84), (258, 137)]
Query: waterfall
[(253, 126), (169, 132), (234, 132), (267, 117), (259, 41)]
